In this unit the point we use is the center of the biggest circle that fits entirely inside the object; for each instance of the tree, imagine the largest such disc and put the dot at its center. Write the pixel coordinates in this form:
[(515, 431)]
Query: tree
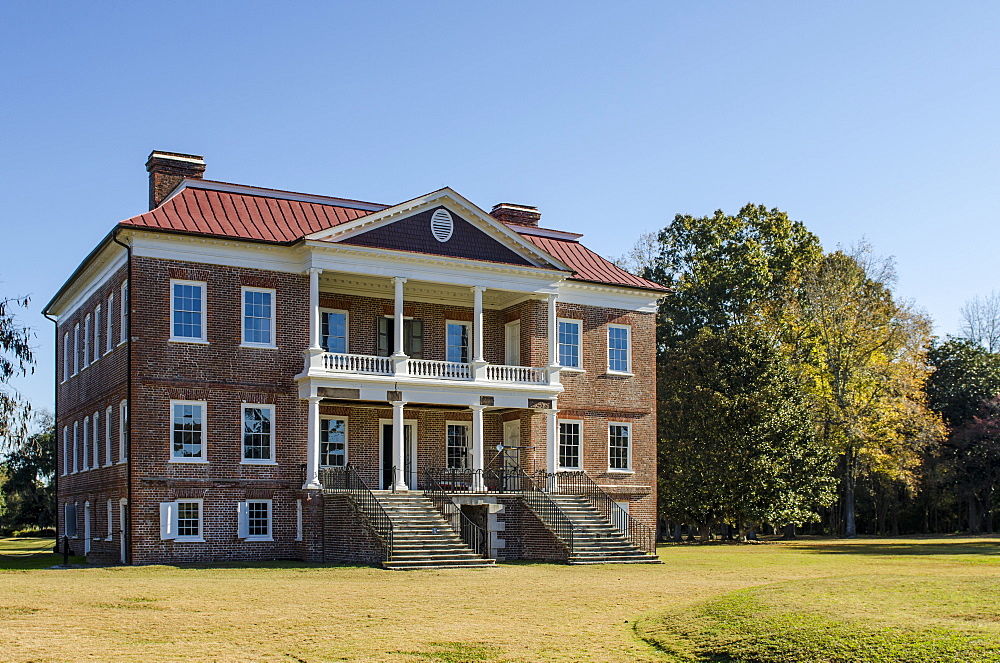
[(737, 442), (981, 321), (974, 455), (16, 359), (26, 480), (863, 361), (965, 375)]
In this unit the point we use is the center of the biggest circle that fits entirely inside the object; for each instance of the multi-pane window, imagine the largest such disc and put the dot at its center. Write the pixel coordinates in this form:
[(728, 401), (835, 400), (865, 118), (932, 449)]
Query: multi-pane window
[(258, 433), (333, 442), (65, 356), (187, 431), (126, 305), (65, 451), (97, 333), (618, 348), (96, 440), (76, 445), (258, 317), (111, 520), (569, 343), (123, 432), (619, 437), (413, 337), (108, 335), (86, 443), (333, 332), (570, 445), (107, 438), (71, 524), (188, 518), (86, 340), (76, 348), (259, 518), (187, 311), (457, 342), (458, 446)]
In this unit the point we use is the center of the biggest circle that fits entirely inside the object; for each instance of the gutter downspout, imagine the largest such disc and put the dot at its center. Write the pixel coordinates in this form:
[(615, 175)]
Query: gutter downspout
[(128, 400), (55, 432)]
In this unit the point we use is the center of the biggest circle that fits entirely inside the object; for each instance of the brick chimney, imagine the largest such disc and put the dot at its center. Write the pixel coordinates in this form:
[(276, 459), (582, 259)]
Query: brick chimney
[(167, 169), (519, 215)]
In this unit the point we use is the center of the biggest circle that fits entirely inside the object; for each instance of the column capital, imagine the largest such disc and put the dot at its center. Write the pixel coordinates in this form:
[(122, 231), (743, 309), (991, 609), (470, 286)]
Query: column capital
[(478, 288), (399, 279), (314, 399), (478, 407), (314, 270)]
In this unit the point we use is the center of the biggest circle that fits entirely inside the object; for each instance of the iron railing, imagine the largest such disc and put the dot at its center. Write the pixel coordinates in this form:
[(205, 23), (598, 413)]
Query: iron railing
[(472, 534), (348, 480), (641, 536), (547, 510), (460, 480)]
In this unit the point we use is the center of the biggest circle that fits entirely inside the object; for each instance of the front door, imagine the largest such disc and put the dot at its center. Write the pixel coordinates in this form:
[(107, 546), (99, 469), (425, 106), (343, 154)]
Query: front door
[(409, 455), (511, 453), (512, 343)]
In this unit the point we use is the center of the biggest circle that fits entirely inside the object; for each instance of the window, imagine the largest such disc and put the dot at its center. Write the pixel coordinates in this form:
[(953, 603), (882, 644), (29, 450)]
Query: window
[(619, 447), (413, 337), (86, 444), (108, 335), (458, 446), (181, 520), (258, 434), (570, 445), (86, 340), (71, 524), (108, 461), (298, 520), (65, 453), (76, 348), (618, 349), (187, 431), (187, 311), (97, 334), (111, 520), (65, 356), (123, 432), (76, 442), (95, 461), (457, 342), (333, 442), (255, 520), (258, 317), (569, 343), (333, 331), (126, 305)]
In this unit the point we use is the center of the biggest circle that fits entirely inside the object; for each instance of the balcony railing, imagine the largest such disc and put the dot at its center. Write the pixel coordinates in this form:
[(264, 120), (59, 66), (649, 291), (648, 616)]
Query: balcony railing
[(336, 362)]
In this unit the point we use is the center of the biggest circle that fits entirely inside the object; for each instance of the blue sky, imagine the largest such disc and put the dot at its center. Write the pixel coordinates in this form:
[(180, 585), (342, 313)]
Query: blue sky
[(861, 119)]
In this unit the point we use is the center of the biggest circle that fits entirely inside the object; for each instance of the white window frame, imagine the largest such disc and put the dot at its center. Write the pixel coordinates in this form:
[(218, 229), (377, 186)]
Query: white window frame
[(96, 440), (111, 521), (86, 341), (75, 506), (243, 449), (322, 426), (123, 431), (109, 341), (628, 349), (347, 326), (243, 521), (97, 334), (298, 520), (203, 339), (65, 451), (169, 521), (123, 330), (203, 458), (244, 343), (579, 348), (559, 423), (76, 349), (467, 425), (76, 443), (468, 340), (85, 460), (628, 467), (65, 356), (108, 456)]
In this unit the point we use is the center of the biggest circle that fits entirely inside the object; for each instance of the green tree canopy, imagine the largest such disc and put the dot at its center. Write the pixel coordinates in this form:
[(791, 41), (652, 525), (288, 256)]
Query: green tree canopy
[(965, 375)]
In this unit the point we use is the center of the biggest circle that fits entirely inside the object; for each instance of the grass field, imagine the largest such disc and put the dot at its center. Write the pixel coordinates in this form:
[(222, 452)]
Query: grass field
[(810, 600)]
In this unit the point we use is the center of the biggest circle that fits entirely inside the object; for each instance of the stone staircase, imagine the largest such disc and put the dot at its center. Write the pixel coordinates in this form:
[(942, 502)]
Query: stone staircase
[(422, 539), (595, 540)]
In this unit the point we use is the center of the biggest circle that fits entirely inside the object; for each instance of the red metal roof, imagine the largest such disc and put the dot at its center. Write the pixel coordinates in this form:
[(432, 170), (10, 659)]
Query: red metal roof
[(588, 265), (242, 216), (247, 215)]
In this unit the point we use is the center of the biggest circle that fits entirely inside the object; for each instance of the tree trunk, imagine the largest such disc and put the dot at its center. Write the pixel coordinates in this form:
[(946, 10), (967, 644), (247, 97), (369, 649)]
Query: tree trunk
[(789, 532), (705, 532), (973, 515), (677, 532), (850, 527)]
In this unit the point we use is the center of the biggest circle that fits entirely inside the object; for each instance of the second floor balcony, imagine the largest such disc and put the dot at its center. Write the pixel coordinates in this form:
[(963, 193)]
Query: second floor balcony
[(406, 367)]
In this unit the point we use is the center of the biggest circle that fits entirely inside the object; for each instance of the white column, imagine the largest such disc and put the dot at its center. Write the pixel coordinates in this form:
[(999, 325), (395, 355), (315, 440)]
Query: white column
[(477, 323), (312, 448), (552, 439), (315, 326), (553, 339), (398, 451), (398, 281), (477, 446)]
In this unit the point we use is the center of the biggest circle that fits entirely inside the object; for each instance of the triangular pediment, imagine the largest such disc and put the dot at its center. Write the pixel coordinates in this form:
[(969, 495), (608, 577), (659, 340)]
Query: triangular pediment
[(441, 223)]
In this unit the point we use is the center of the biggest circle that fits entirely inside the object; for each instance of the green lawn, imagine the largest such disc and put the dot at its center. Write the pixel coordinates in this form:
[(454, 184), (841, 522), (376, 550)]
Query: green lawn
[(811, 600)]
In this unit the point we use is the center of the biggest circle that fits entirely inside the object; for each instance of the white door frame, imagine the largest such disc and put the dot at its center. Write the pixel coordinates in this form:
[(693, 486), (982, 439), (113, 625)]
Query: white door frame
[(411, 477), (508, 337)]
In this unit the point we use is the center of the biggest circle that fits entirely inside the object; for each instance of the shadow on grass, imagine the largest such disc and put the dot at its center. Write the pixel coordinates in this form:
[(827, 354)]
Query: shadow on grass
[(22, 554), (916, 547)]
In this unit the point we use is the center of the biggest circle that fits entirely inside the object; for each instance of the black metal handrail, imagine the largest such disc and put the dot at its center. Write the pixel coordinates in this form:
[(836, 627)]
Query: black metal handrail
[(461, 480), (546, 509), (472, 534), (347, 479), (640, 535)]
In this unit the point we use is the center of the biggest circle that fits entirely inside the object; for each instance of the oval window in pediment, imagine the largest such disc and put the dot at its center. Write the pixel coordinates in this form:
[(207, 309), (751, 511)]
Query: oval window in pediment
[(442, 225)]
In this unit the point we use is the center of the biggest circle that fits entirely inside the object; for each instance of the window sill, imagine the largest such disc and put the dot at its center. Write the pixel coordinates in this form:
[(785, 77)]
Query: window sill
[(190, 461), (572, 369), (107, 539), (611, 471), (258, 462), (254, 539), (259, 346), (196, 341), (122, 462), (189, 539), (570, 469), (620, 374)]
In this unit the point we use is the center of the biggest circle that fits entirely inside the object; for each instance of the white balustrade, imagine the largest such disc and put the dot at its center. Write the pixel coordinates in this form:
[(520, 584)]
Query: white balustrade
[(445, 370), (345, 363), (526, 374)]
